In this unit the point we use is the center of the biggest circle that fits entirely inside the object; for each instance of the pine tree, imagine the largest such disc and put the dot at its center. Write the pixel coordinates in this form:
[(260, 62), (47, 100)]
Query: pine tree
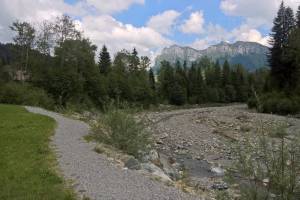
[(226, 74), (104, 61), (298, 17), (218, 74), (134, 61), (283, 25), (151, 79)]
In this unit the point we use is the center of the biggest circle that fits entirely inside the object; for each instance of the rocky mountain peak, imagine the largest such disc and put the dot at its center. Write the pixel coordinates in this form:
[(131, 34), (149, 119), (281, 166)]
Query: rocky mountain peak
[(252, 55)]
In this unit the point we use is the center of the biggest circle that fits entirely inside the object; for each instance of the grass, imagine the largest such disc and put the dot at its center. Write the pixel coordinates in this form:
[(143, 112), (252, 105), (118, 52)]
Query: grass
[(27, 165)]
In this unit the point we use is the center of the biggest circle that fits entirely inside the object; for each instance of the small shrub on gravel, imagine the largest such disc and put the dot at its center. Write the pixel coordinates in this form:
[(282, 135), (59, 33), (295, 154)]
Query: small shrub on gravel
[(267, 167), (121, 130)]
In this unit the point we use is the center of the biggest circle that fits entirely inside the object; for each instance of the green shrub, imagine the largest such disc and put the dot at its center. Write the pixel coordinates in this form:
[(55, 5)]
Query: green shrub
[(122, 131), (252, 103), (24, 94), (177, 95), (276, 103), (266, 167)]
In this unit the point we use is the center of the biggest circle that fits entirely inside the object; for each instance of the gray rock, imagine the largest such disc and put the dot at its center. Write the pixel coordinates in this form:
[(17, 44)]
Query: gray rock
[(151, 156), (154, 170), (171, 171), (218, 170), (133, 164), (220, 186)]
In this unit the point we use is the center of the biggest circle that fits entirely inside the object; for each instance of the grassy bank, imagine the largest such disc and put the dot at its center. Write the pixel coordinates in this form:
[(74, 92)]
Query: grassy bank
[(27, 165)]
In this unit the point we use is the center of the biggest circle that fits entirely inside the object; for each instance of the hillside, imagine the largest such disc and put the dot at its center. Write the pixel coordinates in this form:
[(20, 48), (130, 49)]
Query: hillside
[(252, 55)]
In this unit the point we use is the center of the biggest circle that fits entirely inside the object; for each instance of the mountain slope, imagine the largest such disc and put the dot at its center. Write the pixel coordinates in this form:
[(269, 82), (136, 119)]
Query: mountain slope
[(252, 55)]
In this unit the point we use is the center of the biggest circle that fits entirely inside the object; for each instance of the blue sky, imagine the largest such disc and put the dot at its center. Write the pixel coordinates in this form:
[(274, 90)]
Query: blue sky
[(150, 25)]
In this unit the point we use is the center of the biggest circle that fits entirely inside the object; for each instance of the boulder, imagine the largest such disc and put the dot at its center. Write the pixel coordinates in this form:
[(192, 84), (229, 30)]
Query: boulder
[(218, 170), (133, 164), (156, 171), (168, 168)]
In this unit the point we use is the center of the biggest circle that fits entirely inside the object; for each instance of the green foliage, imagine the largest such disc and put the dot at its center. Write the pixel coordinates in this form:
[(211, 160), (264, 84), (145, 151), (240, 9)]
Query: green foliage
[(279, 103), (104, 61), (24, 94), (177, 95), (27, 164), (122, 131), (252, 103)]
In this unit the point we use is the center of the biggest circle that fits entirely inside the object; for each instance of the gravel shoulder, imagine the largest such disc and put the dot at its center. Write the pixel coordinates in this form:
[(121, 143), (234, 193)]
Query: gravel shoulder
[(93, 175)]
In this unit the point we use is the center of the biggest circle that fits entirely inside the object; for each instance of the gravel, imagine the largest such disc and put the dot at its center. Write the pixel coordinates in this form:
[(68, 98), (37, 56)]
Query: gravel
[(93, 175)]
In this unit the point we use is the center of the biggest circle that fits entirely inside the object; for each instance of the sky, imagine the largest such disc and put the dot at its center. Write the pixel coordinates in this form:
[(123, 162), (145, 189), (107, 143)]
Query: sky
[(151, 25)]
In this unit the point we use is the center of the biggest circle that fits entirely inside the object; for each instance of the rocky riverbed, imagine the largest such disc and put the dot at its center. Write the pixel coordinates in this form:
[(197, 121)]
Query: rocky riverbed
[(200, 140)]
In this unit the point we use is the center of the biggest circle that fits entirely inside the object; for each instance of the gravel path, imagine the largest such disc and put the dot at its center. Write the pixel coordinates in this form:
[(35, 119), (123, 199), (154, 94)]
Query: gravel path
[(94, 176)]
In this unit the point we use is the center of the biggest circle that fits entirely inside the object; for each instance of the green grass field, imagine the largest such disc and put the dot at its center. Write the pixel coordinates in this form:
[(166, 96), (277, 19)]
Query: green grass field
[(27, 165)]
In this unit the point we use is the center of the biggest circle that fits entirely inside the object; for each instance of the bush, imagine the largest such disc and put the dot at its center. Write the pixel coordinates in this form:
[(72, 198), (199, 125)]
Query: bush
[(24, 94), (279, 103), (122, 131), (252, 103)]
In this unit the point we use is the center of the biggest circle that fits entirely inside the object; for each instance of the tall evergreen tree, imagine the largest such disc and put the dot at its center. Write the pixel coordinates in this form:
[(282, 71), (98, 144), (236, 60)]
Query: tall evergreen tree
[(134, 61), (104, 61), (226, 73), (283, 25), (151, 79), (298, 17)]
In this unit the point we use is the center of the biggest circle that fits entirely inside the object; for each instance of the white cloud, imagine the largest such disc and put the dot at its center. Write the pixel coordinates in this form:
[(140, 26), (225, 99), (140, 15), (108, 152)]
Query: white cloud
[(194, 25), (256, 12), (105, 29), (112, 6), (216, 33), (100, 28), (245, 33), (163, 22)]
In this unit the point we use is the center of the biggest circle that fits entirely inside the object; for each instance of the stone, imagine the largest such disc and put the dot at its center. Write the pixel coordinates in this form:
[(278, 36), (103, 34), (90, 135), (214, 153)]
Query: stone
[(133, 164), (164, 135), (218, 170), (220, 186), (172, 172), (156, 171), (153, 155)]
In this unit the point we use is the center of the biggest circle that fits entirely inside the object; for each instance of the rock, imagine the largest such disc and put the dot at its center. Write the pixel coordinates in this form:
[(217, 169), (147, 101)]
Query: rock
[(220, 186), (172, 172), (133, 164), (164, 135), (154, 170), (218, 170), (151, 156)]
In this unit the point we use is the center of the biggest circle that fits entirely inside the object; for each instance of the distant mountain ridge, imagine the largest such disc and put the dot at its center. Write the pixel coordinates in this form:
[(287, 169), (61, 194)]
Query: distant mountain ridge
[(250, 54)]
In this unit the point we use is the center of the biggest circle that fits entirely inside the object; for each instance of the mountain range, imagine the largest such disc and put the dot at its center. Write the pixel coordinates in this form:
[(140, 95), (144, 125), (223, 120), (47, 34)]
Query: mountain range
[(250, 54)]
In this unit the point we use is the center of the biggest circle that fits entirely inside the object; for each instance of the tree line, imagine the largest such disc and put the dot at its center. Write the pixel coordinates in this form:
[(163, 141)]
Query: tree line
[(57, 59)]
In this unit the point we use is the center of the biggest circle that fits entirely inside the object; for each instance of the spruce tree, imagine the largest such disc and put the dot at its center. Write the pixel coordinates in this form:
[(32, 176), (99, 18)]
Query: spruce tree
[(134, 61), (104, 61), (283, 25), (298, 17), (151, 79), (226, 73)]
